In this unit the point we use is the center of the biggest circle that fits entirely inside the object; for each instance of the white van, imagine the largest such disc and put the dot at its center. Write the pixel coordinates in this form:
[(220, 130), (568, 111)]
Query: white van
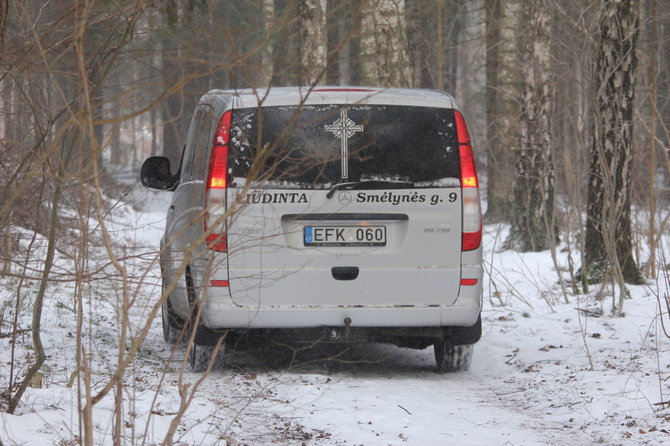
[(340, 214)]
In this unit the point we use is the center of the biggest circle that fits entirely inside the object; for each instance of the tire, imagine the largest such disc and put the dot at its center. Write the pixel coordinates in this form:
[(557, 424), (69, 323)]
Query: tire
[(205, 339), (452, 358), (200, 356), (172, 324)]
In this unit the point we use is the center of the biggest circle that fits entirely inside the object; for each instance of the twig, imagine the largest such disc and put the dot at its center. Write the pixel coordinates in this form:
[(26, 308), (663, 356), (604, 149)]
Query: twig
[(6, 335), (404, 409)]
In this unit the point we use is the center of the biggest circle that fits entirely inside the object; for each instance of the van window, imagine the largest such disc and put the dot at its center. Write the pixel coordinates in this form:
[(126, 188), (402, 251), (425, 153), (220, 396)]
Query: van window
[(193, 163), (317, 146), (203, 140)]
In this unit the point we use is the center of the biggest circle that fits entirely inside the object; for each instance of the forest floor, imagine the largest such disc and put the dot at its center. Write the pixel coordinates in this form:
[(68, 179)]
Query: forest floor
[(545, 372)]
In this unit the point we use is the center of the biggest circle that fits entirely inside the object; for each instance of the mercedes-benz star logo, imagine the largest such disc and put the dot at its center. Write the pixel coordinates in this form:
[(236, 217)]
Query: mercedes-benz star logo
[(344, 198)]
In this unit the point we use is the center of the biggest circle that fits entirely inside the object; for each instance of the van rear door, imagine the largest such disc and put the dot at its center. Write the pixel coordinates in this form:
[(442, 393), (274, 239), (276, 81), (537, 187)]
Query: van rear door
[(344, 205)]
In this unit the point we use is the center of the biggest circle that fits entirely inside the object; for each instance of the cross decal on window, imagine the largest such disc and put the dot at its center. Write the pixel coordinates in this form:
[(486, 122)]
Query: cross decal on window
[(344, 128)]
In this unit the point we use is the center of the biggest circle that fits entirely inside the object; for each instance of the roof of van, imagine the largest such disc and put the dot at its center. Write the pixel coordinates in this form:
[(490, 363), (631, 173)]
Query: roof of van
[(333, 95)]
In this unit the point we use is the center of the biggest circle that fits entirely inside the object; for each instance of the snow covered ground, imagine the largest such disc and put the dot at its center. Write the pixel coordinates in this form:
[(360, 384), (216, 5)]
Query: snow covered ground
[(546, 372)]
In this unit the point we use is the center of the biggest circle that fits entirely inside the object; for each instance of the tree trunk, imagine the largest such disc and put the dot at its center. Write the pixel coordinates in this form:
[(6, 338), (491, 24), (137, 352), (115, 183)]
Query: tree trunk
[(285, 54), (4, 13), (171, 72), (38, 306), (115, 137), (352, 61), (423, 39), (503, 110), (7, 113), (383, 47), (533, 203), (153, 117), (266, 68), (653, 75), (312, 24), (337, 42), (218, 19), (608, 225)]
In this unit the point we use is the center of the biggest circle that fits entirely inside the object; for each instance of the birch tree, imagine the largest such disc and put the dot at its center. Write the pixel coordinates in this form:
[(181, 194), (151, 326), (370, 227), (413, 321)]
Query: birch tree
[(608, 225), (312, 23), (533, 191), (383, 47), (502, 105)]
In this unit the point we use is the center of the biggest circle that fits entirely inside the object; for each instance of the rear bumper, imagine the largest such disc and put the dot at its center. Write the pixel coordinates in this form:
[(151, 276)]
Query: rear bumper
[(219, 314), (462, 309)]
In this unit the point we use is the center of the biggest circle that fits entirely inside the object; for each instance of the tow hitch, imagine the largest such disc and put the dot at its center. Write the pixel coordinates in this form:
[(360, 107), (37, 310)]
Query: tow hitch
[(336, 335)]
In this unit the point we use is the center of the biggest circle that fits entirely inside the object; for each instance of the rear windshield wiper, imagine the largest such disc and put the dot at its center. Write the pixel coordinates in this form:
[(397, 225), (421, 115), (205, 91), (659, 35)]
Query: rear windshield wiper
[(369, 184)]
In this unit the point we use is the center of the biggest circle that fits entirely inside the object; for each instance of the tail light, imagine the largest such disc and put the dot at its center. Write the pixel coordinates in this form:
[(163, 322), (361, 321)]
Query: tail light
[(217, 183), (472, 213)]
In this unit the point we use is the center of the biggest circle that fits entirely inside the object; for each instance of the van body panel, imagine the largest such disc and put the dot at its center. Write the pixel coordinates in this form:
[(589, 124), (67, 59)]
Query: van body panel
[(248, 98), (270, 266)]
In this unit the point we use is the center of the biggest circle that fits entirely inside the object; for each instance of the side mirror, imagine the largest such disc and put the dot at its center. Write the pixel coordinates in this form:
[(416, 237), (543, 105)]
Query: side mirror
[(155, 174)]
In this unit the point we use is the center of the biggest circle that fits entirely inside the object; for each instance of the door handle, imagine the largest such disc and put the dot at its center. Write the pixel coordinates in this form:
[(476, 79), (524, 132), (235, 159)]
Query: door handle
[(344, 272)]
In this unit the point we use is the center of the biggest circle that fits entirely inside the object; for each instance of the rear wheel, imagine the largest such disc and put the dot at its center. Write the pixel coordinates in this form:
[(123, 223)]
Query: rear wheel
[(205, 340), (452, 358), (172, 324)]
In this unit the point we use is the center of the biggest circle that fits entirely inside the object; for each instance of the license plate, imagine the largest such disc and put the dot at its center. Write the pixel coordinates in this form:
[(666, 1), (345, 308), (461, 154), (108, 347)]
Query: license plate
[(344, 235)]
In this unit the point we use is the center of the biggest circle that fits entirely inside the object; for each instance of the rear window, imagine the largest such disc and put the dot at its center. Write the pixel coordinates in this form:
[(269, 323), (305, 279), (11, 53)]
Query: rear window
[(317, 146)]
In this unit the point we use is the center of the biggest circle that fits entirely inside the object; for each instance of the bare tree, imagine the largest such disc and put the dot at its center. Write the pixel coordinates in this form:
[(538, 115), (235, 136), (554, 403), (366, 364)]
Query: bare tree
[(533, 203), (312, 22), (433, 31), (503, 79), (268, 10), (608, 226), (383, 53), (653, 56), (4, 12), (172, 111)]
